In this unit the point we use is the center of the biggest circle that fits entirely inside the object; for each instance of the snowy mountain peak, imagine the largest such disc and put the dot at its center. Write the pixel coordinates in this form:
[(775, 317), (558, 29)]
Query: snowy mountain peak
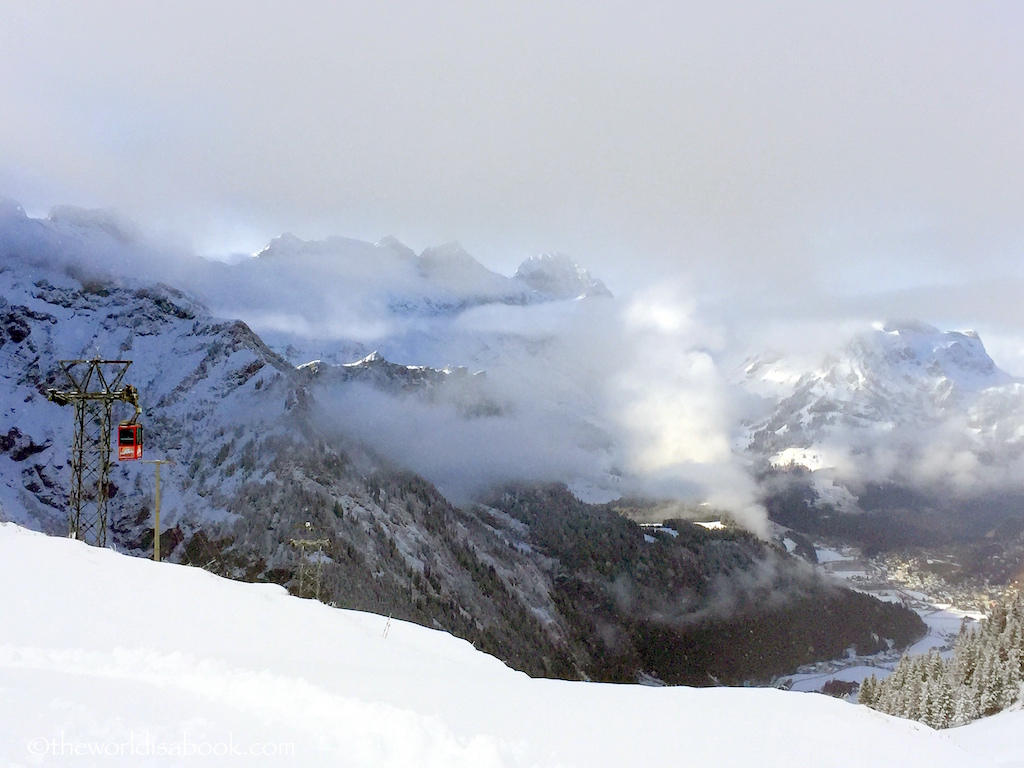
[(914, 348), (103, 220), (453, 386), (558, 276), (377, 369), (395, 246), (373, 357), (451, 262), (290, 246), (283, 243), (447, 252), (451, 268)]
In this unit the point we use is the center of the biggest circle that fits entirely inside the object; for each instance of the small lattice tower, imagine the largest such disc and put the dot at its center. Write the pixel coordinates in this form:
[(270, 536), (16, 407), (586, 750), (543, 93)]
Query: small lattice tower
[(315, 546)]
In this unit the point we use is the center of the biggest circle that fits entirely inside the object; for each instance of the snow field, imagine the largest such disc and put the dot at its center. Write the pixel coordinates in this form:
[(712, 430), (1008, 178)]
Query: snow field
[(104, 651)]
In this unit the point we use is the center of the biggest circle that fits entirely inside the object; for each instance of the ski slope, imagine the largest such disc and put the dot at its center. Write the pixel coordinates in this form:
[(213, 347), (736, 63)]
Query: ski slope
[(108, 660)]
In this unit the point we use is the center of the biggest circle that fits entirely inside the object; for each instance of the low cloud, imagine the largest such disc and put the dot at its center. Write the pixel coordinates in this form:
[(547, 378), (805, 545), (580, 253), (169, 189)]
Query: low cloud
[(673, 409), (951, 456), (618, 397), (466, 456)]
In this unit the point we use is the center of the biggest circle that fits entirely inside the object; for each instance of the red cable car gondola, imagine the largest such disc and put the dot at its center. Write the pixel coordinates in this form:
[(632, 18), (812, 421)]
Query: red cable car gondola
[(129, 442)]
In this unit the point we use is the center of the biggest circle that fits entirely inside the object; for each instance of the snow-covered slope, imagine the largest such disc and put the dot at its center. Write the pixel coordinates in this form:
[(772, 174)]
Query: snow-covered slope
[(197, 378), (108, 660)]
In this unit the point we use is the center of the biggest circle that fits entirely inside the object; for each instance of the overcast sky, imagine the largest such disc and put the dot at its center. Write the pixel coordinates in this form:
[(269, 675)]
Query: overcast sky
[(813, 160)]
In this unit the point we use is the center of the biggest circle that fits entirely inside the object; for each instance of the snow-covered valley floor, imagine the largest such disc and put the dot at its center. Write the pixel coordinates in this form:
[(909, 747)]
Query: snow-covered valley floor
[(109, 660), (942, 619)]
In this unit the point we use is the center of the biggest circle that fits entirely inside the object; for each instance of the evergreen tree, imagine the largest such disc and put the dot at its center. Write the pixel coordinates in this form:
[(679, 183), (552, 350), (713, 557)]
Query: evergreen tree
[(941, 707), (992, 683), (965, 707), (868, 695), (965, 656)]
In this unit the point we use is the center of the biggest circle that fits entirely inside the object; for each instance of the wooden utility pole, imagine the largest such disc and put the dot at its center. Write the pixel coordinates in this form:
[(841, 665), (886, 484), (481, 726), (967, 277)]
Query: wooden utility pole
[(156, 505)]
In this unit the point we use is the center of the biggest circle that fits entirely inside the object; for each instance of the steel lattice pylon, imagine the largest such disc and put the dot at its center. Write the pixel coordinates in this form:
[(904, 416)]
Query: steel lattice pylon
[(302, 545), (95, 386)]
